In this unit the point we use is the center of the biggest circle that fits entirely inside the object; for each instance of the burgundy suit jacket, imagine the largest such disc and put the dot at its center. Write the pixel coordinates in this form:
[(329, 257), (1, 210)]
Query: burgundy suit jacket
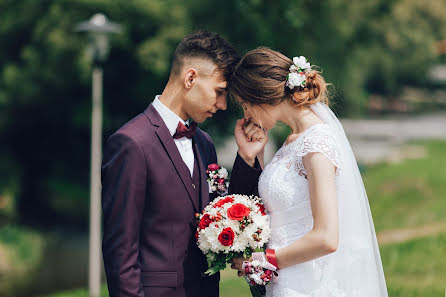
[(148, 246)]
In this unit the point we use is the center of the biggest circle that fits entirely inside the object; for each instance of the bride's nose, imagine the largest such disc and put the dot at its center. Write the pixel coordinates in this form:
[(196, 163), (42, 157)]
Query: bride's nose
[(246, 114)]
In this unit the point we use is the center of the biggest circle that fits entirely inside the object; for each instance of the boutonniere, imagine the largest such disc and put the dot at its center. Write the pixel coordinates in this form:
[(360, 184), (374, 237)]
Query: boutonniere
[(217, 179)]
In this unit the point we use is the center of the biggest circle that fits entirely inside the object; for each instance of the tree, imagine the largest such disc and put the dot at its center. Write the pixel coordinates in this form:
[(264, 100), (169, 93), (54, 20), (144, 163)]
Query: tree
[(45, 94), (362, 47)]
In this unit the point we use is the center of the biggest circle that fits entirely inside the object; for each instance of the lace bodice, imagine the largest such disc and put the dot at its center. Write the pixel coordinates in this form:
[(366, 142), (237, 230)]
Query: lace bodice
[(283, 184), (284, 188)]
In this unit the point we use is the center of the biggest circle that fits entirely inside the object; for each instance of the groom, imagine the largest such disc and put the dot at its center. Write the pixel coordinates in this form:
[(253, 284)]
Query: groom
[(154, 179)]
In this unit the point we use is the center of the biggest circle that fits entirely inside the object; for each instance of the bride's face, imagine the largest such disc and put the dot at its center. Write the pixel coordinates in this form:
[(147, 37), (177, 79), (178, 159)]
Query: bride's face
[(262, 115)]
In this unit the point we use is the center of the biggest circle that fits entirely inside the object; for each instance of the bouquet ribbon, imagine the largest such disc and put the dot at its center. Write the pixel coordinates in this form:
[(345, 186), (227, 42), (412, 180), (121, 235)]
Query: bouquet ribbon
[(259, 270), (263, 261)]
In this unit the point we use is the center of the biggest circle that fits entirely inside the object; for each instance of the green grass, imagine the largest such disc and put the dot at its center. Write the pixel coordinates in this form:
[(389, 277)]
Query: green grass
[(416, 268), (79, 293), (230, 286), (25, 246), (412, 269), (410, 193), (21, 252), (233, 286), (407, 194)]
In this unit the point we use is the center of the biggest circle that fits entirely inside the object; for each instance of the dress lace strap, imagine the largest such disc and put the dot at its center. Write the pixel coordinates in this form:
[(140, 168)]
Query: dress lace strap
[(318, 140)]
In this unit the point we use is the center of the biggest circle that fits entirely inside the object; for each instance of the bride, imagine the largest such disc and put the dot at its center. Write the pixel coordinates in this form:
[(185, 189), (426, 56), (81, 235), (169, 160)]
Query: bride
[(323, 240)]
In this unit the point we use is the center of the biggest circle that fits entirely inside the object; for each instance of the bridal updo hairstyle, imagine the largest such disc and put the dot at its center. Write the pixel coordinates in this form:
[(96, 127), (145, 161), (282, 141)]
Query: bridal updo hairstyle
[(260, 77)]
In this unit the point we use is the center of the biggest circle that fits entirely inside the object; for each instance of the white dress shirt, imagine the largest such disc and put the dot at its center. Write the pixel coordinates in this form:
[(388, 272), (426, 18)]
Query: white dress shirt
[(171, 120)]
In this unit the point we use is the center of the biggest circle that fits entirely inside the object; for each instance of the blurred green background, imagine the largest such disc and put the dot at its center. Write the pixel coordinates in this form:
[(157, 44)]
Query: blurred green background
[(378, 55)]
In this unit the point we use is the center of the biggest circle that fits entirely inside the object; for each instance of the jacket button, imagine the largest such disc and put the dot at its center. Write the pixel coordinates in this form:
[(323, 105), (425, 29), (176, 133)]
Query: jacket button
[(193, 186)]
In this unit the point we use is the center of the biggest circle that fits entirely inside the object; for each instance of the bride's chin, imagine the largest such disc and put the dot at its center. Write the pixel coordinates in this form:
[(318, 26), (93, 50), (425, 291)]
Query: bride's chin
[(269, 124)]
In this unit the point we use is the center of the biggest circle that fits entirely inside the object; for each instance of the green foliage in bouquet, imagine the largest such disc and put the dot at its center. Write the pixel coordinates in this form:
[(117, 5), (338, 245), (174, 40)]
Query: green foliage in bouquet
[(217, 262)]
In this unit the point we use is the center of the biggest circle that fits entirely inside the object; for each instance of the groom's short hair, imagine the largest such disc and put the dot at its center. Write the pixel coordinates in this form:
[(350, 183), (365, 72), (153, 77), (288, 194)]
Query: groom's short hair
[(208, 46)]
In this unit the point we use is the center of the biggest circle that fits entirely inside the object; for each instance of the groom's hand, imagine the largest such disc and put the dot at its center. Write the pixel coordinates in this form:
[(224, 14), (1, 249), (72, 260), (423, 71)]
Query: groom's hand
[(251, 140), (236, 263)]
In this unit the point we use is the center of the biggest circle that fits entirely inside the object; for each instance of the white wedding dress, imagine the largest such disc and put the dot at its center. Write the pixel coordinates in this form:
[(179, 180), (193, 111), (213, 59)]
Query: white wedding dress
[(355, 269)]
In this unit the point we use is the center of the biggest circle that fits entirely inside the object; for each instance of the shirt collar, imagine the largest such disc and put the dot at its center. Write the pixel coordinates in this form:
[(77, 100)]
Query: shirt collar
[(170, 118)]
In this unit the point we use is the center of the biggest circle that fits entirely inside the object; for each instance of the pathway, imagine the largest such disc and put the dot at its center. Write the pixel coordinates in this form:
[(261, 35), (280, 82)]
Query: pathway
[(375, 140), (372, 140), (407, 234)]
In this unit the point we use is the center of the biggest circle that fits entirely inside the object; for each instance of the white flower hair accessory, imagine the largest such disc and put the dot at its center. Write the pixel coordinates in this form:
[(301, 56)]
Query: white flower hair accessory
[(298, 73)]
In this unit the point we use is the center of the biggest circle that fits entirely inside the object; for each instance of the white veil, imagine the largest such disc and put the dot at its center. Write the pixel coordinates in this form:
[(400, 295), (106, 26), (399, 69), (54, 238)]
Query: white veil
[(358, 261)]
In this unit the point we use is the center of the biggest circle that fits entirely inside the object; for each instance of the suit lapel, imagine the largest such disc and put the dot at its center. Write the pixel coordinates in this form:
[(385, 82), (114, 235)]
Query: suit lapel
[(169, 145), (203, 176)]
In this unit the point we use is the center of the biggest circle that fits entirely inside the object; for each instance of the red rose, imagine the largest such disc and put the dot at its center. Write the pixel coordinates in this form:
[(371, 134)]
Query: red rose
[(205, 221), (238, 212), (222, 202), (214, 166), (226, 237), (221, 180), (262, 208)]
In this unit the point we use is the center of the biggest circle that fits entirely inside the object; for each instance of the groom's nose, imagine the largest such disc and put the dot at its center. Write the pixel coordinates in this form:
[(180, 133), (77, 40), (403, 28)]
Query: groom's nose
[(221, 103)]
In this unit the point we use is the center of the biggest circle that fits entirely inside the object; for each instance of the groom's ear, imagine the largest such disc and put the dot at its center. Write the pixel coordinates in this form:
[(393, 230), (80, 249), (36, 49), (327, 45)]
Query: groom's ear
[(189, 77)]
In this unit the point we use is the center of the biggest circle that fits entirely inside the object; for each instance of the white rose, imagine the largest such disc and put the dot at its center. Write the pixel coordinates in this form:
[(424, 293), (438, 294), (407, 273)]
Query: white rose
[(295, 80), (301, 62), (223, 173)]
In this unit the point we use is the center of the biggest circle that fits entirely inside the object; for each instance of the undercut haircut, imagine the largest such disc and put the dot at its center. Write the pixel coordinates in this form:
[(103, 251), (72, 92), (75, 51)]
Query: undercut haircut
[(207, 46)]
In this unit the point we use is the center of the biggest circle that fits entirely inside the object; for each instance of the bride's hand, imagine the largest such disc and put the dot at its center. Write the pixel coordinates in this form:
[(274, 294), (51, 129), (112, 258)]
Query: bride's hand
[(251, 140)]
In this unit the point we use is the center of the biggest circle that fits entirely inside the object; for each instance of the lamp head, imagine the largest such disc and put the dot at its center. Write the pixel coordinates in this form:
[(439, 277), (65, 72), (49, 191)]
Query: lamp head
[(99, 27)]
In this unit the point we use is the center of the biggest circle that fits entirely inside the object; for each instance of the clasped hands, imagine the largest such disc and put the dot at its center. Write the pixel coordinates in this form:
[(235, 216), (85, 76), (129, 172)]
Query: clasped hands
[(251, 140)]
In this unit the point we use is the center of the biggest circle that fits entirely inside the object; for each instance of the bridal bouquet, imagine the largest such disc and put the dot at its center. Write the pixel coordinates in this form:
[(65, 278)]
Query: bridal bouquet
[(230, 227)]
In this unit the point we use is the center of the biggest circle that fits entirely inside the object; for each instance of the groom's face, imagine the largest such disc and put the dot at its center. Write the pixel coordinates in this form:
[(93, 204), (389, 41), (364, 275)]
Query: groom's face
[(206, 94)]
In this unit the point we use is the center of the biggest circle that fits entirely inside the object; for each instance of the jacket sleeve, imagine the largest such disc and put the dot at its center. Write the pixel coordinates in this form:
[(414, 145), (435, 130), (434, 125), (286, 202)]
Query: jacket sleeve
[(124, 177), (244, 178)]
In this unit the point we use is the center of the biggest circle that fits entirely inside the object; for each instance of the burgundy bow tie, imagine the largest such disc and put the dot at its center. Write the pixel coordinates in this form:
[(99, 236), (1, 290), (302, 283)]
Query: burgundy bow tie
[(185, 131)]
